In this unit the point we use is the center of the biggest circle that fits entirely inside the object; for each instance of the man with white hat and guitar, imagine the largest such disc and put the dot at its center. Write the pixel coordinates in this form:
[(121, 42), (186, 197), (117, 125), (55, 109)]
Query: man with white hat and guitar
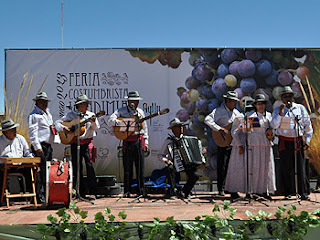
[(136, 144)]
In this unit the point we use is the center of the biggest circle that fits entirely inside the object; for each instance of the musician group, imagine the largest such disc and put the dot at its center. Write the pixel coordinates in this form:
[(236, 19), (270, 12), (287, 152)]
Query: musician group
[(245, 161)]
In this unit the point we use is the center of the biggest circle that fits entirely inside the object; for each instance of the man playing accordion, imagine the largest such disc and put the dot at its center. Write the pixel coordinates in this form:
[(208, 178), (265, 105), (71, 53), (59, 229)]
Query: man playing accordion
[(182, 153)]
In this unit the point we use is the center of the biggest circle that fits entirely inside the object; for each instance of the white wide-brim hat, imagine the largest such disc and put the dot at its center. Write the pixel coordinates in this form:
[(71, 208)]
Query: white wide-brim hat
[(8, 124)]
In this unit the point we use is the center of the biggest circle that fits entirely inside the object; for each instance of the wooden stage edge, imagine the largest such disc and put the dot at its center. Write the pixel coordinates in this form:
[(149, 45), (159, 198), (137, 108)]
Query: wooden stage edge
[(157, 206)]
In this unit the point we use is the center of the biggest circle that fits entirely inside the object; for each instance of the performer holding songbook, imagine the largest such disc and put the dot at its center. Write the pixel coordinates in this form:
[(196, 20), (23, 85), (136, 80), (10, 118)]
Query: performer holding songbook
[(220, 120), (175, 154), (294, 129), (91, 124), (135, 142), (41, 135), (260, 163)]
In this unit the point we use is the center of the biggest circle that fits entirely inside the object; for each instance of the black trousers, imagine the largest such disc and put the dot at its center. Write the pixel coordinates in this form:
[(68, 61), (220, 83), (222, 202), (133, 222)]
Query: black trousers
[(287, 169), (133, 153), (222, 165), (192, 177), (91, 176), (41, 179)]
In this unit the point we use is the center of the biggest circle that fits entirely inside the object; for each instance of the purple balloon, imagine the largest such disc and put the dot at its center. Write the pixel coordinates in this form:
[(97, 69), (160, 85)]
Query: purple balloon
[(263, 68)]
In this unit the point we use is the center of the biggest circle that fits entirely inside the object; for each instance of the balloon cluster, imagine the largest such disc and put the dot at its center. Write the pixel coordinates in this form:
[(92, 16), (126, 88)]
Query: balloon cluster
[(246, 71)]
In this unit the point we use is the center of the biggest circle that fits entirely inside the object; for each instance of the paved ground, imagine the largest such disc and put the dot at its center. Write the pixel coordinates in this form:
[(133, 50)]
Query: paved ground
[(147, 209)]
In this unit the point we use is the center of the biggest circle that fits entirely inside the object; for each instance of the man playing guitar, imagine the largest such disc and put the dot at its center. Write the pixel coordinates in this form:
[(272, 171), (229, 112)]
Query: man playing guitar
[(136, 144), (220, 120), (86, 138)]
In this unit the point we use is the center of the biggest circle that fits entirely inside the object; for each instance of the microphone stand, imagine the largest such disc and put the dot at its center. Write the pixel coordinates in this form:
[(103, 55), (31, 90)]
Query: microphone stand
[(297, 127), (143, 195), (78, 196), (127, 125), (249, 195)]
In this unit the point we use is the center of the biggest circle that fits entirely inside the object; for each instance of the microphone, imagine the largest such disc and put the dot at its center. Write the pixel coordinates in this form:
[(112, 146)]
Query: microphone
[(132, 106), (289, 104)]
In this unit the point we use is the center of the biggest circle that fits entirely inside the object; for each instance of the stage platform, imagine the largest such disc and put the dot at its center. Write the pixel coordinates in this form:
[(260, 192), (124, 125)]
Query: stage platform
[(155, 206)]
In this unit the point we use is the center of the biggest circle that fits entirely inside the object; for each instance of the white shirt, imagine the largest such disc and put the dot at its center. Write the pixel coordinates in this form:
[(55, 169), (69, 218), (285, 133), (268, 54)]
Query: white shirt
[(90, 127), (301, 112), (220, 117), (127, 112), (39, 127), (15, 148)]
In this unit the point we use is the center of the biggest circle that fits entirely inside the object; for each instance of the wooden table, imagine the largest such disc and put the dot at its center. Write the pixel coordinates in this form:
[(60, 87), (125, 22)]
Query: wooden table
[(31, 163)]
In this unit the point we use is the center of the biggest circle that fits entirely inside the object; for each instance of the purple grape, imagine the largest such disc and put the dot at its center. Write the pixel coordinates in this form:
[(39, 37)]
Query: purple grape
[(229, 55), (272, 79), (263, 68), (219, 87), (196, 121), (211, 59), (183, 115), (202, 73), (222, 70), (201, 104), (192, 83), (285, 78), (213, 104), (246, 68), (190, 107), (207, 92), (233, 69), (253, 55), (241, 94), (248, 85)]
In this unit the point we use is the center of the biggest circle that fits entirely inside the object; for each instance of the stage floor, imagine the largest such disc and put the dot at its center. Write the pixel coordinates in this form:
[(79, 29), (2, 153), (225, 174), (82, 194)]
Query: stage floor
[(146, 209)]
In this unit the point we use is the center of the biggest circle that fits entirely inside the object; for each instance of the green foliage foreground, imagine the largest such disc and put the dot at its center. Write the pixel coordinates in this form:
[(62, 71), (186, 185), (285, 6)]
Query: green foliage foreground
[(285, 224)]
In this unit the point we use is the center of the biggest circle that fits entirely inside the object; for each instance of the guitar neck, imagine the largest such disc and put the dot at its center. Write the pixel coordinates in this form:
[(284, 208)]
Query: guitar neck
[(148, 117)]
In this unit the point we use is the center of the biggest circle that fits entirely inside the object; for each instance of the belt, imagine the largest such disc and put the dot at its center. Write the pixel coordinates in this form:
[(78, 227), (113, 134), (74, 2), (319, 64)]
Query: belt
[(284, 139)]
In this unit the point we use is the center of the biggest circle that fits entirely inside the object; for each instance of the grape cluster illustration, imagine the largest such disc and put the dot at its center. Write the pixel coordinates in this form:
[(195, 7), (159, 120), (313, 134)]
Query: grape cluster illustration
[(246, 71)]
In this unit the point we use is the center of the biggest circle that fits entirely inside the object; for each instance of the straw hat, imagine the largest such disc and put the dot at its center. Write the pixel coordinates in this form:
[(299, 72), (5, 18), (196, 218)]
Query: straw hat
[(260, 98), (288, 89), (133, 95), (82, 98), (41, 96), (232, 95), (8, 124), (175, 122)]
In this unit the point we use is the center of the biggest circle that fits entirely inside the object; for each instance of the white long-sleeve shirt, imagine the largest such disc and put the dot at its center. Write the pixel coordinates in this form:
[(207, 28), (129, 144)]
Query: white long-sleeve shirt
[(39, 127), (15, 148), (127, 112), (90, 127), (296, 110), (221, 116)]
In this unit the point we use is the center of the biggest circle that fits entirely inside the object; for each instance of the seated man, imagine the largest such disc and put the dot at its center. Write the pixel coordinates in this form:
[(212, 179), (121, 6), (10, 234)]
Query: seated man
[(13, 145), (175, 164)]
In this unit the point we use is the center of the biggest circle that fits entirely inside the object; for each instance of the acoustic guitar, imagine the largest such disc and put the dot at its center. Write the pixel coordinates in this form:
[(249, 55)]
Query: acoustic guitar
[(131, 124), (223, 140), (71, 137)]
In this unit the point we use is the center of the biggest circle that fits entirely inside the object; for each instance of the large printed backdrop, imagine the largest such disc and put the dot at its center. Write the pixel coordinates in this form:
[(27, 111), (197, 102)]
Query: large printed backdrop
[(189, 82), (105, 76)]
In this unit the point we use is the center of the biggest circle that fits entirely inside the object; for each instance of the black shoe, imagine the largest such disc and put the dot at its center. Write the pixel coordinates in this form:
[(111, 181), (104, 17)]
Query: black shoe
[(267, 196), (305, 197), (221, 193), (235, 195)]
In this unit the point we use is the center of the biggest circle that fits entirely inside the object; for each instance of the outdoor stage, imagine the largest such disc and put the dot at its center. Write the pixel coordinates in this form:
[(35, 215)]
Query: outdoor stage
[(147, 209)]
